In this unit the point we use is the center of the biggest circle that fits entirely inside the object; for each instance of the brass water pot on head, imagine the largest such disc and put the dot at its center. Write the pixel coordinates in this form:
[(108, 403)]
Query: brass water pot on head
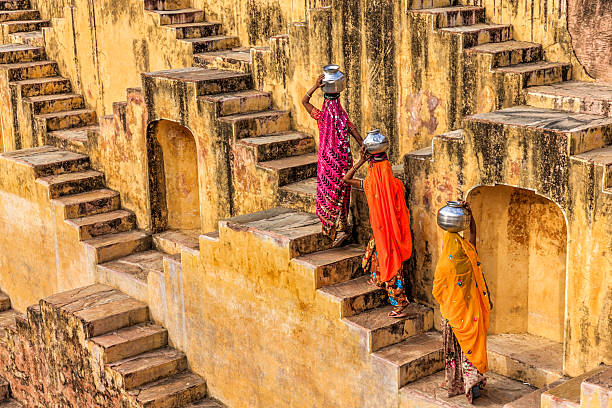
[(375, 142), (334, 81), (454, 217)]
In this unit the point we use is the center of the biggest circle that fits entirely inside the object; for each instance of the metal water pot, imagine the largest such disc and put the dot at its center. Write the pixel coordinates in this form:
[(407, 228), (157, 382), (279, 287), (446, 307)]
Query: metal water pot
[(334, 81), (454, 217), (375, 142)]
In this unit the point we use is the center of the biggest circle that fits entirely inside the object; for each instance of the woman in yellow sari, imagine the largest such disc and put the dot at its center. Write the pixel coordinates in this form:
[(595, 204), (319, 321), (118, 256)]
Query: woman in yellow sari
[(460, 288)]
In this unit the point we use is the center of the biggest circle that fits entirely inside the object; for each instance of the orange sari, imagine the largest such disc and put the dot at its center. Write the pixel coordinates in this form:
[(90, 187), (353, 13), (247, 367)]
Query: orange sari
[(460, 288), (389, 218)]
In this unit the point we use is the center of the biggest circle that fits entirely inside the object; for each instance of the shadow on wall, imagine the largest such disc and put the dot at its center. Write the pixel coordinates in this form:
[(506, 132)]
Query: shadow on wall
[(522, 243), (173, 177)]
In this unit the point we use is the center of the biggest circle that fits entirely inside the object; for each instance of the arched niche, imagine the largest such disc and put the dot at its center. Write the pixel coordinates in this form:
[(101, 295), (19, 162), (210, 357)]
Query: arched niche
[(173, 177), (522, 243)]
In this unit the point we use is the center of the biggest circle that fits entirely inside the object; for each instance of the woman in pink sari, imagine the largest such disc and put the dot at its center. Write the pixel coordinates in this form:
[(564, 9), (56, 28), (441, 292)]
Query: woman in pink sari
[(335, 159)]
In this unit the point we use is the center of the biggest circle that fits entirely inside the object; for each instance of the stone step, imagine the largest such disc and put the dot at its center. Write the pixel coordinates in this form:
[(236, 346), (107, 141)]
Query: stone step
[(129, 341), (68, 119), (5, 302), (196, 30), (239, 102), (74, 139), (583, 132), (355, 296), (166, 4), (301, 195), (10, 403), (25, 25), (89, 203), (573, 96), (15, 4), (49, 160), (55, 103), (334, 265), (102, 224), (13, 53), (279, 145), (180, 16), (173, 241), (151, 366), (381, 331), (596, 389), (508, 52), (532, 399), (298, 231), (428, 393), (206, 403), (43, 86), (98, 309), (235, 60), (292, 169), (113, 246), (539, 73), (130, 274), (255, 124), (4, 389), (207, 81), (524, 357), (72, 183), (427, 4), (33, 38), (213, 43), (414, 358), (455, 16), (477, 34), (175, 391), (31, 70), (567, 395)]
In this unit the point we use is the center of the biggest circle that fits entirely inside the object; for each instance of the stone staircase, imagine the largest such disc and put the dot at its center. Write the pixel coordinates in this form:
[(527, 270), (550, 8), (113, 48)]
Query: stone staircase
[(132, 352), (212, 48), (44, 107)]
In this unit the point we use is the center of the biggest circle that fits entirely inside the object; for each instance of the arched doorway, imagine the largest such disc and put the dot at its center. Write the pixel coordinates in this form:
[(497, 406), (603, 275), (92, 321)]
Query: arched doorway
[(173, 178), (522, 243)]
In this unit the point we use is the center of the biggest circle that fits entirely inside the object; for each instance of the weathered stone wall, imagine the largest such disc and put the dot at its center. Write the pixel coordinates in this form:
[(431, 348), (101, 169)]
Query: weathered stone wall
[(47, 363)]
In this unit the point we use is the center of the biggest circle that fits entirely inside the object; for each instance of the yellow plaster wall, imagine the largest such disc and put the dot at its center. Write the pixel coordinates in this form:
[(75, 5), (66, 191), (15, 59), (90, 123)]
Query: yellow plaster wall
[(252, 323)]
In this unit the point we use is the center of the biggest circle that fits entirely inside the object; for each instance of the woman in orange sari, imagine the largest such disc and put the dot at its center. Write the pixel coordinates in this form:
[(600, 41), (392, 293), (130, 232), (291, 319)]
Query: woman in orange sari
[(460, 288), (391, 242)]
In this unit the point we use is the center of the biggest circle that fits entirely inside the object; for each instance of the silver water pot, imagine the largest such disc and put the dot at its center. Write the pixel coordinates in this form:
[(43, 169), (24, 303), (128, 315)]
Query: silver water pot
[(375, 142), (334, 81), (454, 217)]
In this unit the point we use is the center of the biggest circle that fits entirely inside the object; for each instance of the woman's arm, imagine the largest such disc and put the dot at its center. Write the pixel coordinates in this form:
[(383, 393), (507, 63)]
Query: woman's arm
[(355, 134), (348, 178), (306, 98), (472, 224)]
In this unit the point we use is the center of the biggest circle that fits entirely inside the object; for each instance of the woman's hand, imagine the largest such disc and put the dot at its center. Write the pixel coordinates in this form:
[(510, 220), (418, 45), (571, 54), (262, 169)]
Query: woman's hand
[(319, 82), (364, 155)]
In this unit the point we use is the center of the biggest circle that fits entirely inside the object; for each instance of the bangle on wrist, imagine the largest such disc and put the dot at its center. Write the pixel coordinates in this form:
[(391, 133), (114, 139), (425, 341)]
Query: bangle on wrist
[(308, 95)]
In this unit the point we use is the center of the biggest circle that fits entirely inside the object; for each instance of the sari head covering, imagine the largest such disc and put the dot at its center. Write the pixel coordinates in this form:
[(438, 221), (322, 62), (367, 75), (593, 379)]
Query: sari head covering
[(460, 289), (333, 196), (389, 217)]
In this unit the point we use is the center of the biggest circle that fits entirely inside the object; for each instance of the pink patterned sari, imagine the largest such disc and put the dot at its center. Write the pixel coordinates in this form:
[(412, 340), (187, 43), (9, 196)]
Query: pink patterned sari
[(335, 159)]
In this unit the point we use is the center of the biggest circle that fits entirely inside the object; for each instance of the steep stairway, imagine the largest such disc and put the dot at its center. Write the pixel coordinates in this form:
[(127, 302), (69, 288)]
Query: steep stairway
[(212, 47), (45, 109), (132, 350), (7, 317), (94, 212)]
